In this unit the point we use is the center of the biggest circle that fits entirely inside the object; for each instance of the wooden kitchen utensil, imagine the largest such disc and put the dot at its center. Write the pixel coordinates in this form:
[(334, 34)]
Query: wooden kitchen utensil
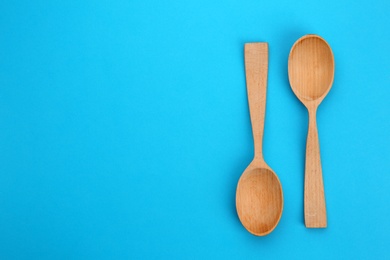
[(311, 72), (259, 196)]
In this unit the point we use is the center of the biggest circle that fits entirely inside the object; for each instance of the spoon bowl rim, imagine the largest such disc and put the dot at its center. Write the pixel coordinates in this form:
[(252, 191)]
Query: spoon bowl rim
[(262, 165), (319, 99)]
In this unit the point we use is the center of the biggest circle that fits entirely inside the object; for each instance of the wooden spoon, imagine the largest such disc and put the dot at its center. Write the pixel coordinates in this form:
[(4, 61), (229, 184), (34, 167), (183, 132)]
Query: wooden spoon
[(311, 72), (259, 196)]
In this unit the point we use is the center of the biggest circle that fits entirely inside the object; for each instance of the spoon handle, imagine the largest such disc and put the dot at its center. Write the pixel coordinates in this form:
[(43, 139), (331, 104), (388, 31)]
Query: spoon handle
[(256, 70), (315, 210)]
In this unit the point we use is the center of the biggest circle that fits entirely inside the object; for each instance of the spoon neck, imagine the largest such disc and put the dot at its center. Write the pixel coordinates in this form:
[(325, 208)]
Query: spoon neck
[(258, 157), (258, 146), (312, 109), (313, 117)]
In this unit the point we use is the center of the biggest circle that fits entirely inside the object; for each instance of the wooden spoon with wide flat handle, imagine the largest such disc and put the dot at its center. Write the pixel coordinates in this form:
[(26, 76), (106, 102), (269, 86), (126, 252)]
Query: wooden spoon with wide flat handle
[(259, 196), (311, 72)]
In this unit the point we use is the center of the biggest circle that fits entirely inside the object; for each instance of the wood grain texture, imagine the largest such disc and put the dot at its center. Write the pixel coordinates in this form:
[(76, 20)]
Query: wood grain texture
[(259, 196), (311, 73)]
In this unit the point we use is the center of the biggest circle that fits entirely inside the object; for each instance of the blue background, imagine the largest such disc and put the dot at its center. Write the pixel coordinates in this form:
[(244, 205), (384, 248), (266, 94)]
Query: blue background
[(125, 128)]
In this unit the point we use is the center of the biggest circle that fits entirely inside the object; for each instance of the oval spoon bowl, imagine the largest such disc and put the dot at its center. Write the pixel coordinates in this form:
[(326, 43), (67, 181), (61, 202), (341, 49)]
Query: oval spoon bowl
[(259, 200), (311, 68)]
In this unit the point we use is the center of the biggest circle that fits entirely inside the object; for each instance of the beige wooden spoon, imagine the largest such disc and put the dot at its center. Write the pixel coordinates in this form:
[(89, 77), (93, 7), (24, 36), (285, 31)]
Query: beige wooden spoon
[(311, 72), (259, 196)]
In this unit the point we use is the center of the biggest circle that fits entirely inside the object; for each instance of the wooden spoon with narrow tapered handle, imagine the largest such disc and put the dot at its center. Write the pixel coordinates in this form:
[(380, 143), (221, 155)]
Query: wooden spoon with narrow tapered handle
[(311, 73), (259, 196)]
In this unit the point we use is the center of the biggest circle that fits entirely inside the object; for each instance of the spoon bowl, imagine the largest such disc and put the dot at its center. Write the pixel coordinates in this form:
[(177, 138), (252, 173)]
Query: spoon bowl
[(259, 200), (311, 68)]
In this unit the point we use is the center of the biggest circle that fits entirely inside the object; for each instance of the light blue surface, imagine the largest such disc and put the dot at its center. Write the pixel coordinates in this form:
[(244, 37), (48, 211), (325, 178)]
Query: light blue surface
[(125, 128)]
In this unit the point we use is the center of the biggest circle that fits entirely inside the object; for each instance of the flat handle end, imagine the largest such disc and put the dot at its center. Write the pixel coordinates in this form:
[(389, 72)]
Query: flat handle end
[(258, 46)]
